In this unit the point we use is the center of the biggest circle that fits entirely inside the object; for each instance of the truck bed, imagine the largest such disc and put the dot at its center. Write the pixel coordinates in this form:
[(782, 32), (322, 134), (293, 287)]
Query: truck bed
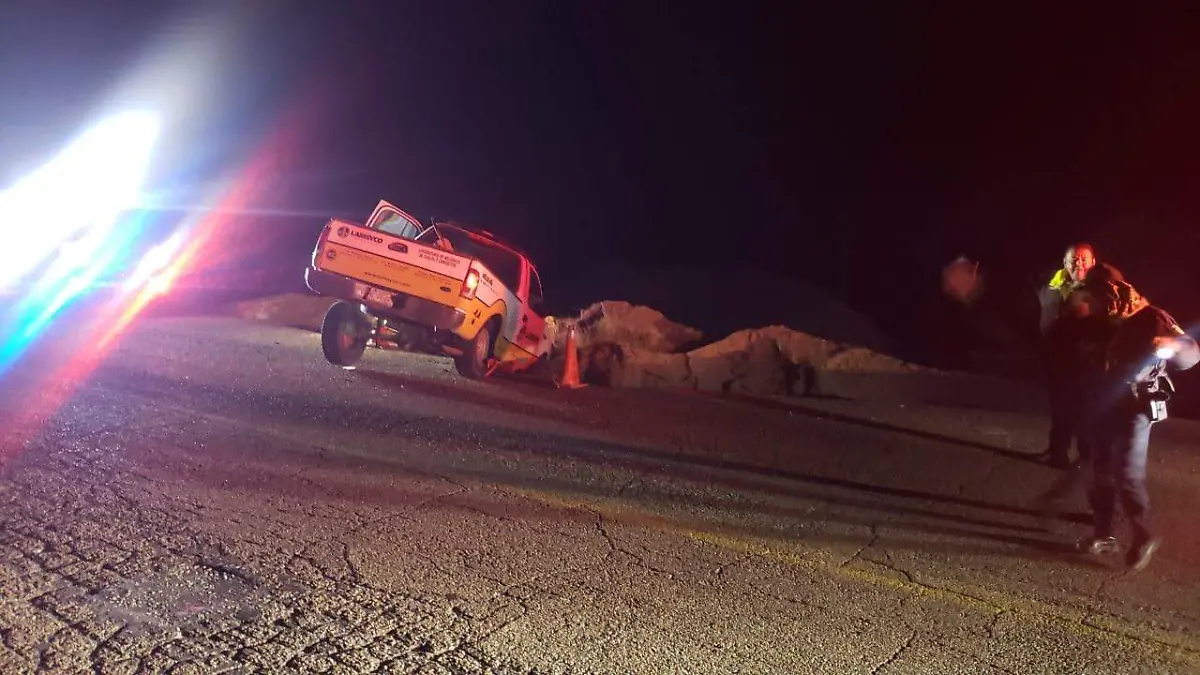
[(391, 262)]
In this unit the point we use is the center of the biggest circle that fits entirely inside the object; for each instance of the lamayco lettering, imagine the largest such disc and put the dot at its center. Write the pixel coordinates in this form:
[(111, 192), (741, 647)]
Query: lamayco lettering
[(368, 237)]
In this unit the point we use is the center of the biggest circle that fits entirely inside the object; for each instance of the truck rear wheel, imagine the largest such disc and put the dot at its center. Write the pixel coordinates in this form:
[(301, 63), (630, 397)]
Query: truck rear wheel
[(473, 361), (344, 334)]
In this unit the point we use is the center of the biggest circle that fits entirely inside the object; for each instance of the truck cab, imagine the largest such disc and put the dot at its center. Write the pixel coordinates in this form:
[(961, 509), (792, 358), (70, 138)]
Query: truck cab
[(466, 293)]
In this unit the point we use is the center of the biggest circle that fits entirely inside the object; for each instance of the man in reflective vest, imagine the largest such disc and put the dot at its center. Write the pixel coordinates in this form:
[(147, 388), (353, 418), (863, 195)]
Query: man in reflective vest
[(1060, 331)]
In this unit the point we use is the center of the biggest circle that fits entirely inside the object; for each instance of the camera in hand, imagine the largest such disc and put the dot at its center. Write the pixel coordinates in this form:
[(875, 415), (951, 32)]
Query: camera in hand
[(1155, 396)]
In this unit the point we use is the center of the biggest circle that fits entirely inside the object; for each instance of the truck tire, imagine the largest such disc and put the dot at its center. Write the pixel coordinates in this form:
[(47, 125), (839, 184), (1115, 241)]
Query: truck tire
[(344, 334), (473, 362)]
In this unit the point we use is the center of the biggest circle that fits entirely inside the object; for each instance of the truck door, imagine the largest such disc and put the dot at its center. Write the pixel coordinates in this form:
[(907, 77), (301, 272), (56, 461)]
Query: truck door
[(392, 220)]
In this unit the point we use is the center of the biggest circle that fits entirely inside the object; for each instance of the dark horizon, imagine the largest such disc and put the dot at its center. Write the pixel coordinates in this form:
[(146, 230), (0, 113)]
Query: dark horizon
[(857, 150)]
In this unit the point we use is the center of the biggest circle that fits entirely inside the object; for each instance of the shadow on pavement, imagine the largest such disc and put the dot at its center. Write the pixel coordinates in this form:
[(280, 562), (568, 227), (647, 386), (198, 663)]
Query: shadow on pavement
[(497, 398), (509, 404), (815, 413), (314, 410), (1037, 547)]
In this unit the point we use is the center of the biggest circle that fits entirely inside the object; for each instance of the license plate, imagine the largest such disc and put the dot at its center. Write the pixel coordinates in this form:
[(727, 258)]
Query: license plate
[(378, 297)]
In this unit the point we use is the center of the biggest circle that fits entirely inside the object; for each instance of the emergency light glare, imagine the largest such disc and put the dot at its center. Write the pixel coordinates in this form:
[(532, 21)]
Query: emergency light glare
[(150, 270), (103, 168)]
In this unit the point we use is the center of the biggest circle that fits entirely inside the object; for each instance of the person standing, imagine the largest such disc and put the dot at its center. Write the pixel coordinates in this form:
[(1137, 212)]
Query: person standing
[(1126, 349), (1058, 347), (1060, 335)]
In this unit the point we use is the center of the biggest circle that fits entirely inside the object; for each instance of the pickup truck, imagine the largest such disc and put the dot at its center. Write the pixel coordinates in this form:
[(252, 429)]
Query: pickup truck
[(465, 293)]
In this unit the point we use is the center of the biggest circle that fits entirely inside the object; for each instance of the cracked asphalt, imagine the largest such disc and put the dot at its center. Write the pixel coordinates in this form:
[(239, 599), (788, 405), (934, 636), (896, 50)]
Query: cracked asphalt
[(212, 497)]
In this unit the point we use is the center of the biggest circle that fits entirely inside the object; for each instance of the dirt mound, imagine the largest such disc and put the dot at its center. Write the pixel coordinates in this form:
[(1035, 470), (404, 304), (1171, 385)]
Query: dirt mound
[(774, 360), (801, 349), (633, 327), (633, 346), (779, 360)]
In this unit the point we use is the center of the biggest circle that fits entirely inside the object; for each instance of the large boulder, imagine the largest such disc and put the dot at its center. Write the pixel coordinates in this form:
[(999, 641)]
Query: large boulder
[(750, 363), (611, 365), (796, 346), (772, 361), (776, 360), (633, 327), (859, 360), (295, 310)]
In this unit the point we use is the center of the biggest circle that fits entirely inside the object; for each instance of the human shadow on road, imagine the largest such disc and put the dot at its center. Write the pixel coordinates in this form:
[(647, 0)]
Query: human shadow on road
[(1036, 548), (512, 405), (307, 410), (502, 401), (539, 500), (816, 413)]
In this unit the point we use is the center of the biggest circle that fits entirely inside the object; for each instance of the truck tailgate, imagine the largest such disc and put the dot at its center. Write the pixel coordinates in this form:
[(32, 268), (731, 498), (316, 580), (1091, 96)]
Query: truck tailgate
[(391, 262)]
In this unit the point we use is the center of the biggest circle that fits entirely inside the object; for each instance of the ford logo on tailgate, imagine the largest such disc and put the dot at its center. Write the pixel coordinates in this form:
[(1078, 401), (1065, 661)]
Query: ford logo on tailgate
[(398, 247)]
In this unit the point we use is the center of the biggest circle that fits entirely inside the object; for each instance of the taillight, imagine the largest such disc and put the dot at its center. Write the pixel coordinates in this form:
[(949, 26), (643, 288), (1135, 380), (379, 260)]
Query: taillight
[(470, 284)]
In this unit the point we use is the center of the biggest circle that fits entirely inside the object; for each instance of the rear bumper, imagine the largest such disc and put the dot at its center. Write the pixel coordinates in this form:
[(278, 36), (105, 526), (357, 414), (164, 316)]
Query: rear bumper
[(404, 307)]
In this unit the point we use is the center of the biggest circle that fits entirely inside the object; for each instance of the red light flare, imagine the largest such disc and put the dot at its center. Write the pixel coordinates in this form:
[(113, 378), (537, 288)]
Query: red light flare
[(51, 391)]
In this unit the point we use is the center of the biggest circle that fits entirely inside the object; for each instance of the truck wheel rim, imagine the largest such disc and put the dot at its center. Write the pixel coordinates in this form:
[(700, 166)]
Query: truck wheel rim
[(348, 335)]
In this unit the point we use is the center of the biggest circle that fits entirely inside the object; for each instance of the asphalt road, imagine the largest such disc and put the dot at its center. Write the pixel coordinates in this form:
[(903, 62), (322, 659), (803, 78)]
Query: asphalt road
[(211, 496)]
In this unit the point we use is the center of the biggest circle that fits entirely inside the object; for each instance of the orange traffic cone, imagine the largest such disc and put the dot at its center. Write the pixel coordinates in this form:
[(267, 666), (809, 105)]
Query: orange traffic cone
[(570, 376)]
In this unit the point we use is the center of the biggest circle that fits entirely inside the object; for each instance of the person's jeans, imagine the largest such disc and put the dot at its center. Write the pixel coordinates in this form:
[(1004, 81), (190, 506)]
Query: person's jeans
[(1066, 415), (1119, 470)]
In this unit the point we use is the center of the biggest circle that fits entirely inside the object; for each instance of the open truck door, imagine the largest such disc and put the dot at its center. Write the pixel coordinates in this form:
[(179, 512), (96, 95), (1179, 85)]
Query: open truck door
[(389, 218)]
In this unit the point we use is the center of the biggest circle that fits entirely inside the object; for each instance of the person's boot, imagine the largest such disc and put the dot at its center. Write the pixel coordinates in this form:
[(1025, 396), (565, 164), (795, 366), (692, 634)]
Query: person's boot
[(1055, 459), (1098, 545), (1141, 552)]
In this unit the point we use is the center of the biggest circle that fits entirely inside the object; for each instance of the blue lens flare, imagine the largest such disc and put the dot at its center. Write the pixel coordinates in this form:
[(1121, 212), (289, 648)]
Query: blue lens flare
[(45, 298)]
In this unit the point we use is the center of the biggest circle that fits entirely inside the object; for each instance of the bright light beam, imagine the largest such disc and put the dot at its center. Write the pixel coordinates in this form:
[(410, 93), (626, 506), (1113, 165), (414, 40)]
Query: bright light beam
[(29, 318), (99, 175)]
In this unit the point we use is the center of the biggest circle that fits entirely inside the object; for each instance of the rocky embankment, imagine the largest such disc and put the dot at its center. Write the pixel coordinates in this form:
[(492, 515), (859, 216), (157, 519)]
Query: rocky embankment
[(631, 346)]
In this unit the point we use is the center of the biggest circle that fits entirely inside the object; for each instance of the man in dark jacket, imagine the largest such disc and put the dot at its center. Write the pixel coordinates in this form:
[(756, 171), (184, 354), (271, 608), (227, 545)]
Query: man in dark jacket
[(1059, 346), (1060, 336), (1126, 349)]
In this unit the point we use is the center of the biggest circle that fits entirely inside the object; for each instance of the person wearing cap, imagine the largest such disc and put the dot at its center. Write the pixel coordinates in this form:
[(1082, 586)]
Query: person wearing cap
[(1126, 348)]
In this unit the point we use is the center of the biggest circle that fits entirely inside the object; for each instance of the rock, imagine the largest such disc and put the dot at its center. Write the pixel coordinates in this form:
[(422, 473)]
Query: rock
[(295, 310), (859, 360), (746, 362), (633, 327), (602, 363), (611, 365), (801, 349), (798, 347), (764, 370), (652, 370), (770, 361), (777, 360)]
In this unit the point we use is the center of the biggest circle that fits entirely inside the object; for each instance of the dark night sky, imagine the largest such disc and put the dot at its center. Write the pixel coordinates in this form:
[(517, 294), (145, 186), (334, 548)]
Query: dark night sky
[(858, 148)]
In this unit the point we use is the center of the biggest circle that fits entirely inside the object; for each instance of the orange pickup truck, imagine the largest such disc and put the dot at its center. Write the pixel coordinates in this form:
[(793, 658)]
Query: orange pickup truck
[(467, 294)]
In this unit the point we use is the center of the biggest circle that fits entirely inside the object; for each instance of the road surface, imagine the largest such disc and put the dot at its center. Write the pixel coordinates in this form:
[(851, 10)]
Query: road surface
[(211, 496)]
